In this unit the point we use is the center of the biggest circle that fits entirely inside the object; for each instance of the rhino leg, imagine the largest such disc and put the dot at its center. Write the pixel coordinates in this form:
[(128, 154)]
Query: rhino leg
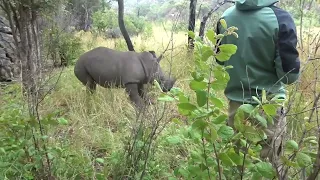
[(88, 81), (134, 95), (143, 94), (91, 85)]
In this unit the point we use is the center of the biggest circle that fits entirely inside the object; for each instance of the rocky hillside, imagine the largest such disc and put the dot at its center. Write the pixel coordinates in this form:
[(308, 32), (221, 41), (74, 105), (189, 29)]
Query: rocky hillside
[(9, 68)]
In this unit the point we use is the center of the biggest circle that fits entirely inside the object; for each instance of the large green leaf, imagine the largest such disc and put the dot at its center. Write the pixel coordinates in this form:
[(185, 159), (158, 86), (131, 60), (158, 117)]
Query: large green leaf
[(226, 51), (62, 121), (211, 35), (197, 76), (183, 172), (166, 98), (236, 158), (200, 124), (238, 120), (195, 170), (262, 120), (206, 53), (303, 159), (247, 108), (100, 160), (223, 23), (187, 106), (191, 34), (196, 85), (291, 146), (183, 98), (225, 132), (201, 97), (211, 135), (256, 176), (226, 159), (287, 162), (174, 140), (220, 119), (221, 78), (217, 102), (270, 109), (266, 169), (253, 134)]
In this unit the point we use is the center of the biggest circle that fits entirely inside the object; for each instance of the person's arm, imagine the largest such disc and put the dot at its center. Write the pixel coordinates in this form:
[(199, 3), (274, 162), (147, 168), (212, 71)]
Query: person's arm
[(287, 62)]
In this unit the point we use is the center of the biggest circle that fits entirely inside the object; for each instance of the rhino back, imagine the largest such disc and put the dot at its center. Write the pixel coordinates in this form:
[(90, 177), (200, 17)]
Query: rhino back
[(110, 66)]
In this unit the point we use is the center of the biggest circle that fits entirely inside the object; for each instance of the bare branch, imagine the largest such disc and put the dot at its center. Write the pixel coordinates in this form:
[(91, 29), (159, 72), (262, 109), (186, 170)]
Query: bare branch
[(312, 59), (316, 166), (171, 38), (206, 17), (317, 107)]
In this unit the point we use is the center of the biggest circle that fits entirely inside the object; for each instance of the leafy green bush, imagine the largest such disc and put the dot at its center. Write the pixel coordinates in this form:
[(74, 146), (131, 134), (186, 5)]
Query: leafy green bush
[(219, 151), (103, 20), (24, 149), (108, 20), (64, 48), (70, 48)]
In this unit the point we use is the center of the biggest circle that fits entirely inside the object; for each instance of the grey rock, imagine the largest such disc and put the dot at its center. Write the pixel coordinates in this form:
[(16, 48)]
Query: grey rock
[(113, 33), (9, 62)]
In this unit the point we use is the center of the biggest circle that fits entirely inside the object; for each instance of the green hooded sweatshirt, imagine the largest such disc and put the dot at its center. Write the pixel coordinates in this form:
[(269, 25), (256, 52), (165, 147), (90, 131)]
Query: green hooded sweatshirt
[(266, 57)]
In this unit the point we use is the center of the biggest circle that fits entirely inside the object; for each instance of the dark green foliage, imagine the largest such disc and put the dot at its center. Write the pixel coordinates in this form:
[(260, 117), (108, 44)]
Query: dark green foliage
[(82, 11), (62, 48), (103, 20), (22, 153), (106, 22), (214, 154), (70, 48)]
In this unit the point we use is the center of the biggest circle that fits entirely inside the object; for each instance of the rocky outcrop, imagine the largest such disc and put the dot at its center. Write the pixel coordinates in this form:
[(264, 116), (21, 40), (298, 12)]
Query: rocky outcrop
[(113, 33), (9, 63)]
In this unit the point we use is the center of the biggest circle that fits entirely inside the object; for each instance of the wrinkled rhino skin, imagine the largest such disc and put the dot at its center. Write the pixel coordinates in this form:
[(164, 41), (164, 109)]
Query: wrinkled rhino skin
[(130, 70)]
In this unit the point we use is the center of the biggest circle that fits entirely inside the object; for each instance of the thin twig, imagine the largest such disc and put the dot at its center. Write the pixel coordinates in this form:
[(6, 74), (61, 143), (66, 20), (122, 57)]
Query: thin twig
[(317, 107)]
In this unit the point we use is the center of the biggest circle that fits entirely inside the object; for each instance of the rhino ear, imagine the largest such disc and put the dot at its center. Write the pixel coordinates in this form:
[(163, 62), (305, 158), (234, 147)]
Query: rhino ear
[(153, 54)]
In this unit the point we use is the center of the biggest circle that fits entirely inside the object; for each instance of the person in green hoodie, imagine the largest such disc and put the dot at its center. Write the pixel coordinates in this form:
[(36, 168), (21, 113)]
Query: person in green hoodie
[(266, 59)]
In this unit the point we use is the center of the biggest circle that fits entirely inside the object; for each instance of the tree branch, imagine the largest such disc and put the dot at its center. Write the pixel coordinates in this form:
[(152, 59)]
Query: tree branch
[(316, 166), (206, 17), (192, 20), (122, 25)]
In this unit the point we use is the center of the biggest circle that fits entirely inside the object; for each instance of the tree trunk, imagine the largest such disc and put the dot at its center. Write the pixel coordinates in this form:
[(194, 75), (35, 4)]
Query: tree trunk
[(199, 11), (28, 49), (310, 5), (29, 54), (23, 20), (192, 21), (86, 23), (122, 26), (206, 17)]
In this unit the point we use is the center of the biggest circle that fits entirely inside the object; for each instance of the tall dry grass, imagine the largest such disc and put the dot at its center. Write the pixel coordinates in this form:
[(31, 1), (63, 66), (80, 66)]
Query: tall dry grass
[(99, 125)]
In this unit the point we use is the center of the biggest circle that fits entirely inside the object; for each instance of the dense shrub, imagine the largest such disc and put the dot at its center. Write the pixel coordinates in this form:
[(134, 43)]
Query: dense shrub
[(70, 48), (103, 20), (106, 22), (62, 47)]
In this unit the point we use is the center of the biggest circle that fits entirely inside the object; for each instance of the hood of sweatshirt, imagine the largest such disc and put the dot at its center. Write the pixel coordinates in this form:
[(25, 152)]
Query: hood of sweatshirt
[(246, 5)]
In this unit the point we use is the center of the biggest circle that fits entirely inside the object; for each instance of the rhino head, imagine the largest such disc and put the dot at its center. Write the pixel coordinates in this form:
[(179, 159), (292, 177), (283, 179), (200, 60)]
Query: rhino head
[(156, 73)]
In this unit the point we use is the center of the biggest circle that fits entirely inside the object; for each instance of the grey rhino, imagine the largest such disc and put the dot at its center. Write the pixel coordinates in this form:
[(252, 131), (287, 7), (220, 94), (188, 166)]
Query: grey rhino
[(129, 70)]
